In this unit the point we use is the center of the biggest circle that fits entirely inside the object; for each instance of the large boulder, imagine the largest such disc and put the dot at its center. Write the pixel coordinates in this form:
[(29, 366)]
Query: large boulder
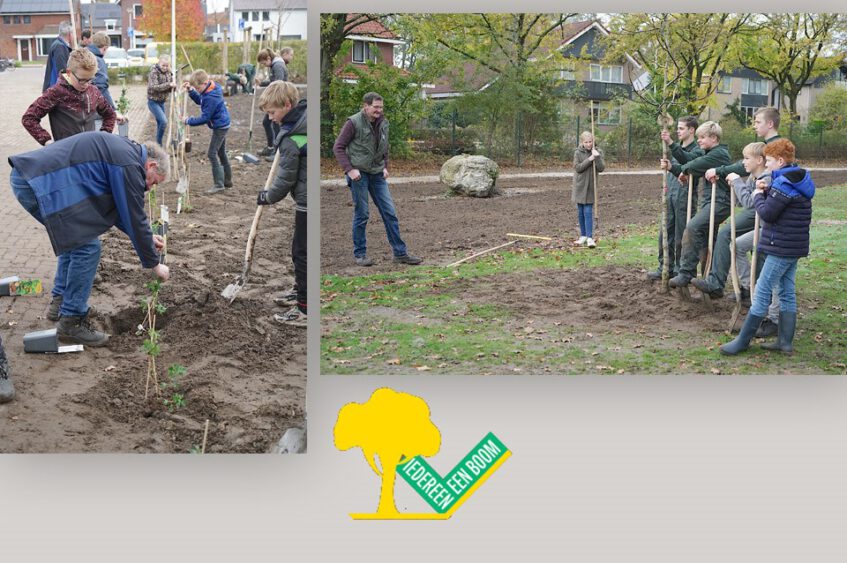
[(470, 175)]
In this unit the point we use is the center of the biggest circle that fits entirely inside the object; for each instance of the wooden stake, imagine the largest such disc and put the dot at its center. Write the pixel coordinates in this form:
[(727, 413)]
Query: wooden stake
[(472, 256), (736, 285), (594, 173), (755, 256), (690, 192), (73, 25), (711, 231), (205, 437), (665, 254), (190, 66), (528, 236)]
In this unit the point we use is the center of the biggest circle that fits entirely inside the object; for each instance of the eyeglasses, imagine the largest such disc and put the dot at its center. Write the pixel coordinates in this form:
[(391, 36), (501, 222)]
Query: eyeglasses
[(82, 80)]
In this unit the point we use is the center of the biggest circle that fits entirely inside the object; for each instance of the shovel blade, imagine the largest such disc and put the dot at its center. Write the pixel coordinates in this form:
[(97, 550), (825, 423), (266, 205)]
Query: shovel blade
[(232, 289)]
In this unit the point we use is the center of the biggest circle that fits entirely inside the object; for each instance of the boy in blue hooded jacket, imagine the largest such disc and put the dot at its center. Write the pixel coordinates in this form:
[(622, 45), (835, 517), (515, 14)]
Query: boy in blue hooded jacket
[(209, 96), (786, 211)]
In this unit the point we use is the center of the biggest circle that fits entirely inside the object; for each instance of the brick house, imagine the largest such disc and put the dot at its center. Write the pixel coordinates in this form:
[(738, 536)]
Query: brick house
[(104, 17), (28, 27), (371, 41)]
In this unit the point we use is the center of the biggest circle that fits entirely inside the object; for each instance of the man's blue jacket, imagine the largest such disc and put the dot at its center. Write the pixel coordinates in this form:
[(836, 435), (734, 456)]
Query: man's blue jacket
[(85, 185)]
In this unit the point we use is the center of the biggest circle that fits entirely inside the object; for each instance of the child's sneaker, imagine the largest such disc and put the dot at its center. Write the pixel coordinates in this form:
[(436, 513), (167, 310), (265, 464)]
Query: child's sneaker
[(580, 241), (287, 299), (292, 317), (215, 190), (590, 242)]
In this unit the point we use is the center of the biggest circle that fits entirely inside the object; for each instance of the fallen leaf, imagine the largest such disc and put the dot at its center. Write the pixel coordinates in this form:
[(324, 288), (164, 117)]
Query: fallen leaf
[(393, 362), (110, 368), (423, 368), (716, 371)]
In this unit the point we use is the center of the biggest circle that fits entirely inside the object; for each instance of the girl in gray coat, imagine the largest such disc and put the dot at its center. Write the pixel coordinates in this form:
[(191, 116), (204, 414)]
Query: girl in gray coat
[(585, 159)]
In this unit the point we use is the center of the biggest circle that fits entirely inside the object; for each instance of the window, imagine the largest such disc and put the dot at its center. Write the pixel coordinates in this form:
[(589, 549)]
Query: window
[(604, 73), (567, 71), (43, 45), (138, 10), (7, 20), (110, 24), (364, 51), (244, 16), (255, 17), (725, 85), (754, 86), (266, 16), (749, 112), (27, 19), (17, 19), (607, 114)]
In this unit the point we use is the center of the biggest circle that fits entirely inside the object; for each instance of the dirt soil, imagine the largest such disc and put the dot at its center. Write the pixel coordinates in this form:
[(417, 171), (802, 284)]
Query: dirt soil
[(246, 374), (442, 228)]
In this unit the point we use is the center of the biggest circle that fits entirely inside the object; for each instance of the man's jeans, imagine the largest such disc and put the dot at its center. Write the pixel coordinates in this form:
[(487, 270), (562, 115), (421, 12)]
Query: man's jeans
[(221, 171), (375, 185), (76, 269), (744, 245), (158, 111), (585, 211), (778, 271)]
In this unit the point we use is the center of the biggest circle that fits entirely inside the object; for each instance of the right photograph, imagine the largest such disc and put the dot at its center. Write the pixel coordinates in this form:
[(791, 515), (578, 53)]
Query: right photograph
[(600, 194)]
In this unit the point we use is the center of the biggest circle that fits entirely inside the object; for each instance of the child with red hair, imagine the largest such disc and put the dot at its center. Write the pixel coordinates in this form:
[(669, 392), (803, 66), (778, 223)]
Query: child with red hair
[(786, 211)]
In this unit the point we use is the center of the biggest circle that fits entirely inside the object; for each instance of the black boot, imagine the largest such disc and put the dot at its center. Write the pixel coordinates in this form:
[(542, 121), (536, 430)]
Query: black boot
[(785, 337), (767, 329), (742, 341), (7, 390)]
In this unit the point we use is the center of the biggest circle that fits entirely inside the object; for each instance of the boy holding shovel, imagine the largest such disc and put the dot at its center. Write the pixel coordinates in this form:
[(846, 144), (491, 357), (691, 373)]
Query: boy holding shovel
[(282, 104), (697, 229)]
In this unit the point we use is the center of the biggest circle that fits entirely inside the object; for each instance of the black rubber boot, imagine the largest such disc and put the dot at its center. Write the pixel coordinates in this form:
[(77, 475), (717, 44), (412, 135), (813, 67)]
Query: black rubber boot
[(7, 390), (79, 330), (767, 329), (742, 341), (785, 335)]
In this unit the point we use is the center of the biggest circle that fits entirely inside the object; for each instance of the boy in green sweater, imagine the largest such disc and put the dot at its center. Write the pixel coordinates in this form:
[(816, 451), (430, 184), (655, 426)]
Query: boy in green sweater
[(697, 230)]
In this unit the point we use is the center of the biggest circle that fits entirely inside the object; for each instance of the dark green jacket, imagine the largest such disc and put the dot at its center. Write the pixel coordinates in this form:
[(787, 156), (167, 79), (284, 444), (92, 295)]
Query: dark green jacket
[(714, 157), (366, 153), (738, 167), (685, 154)]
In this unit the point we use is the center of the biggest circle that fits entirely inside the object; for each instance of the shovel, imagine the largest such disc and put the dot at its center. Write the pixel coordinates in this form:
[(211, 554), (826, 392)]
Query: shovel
[(736, 285), (248, 154), (707, 301), (187, 142), (232, 289)]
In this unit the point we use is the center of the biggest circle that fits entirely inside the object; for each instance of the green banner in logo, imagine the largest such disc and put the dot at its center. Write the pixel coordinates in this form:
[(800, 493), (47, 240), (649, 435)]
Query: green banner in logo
[(441, 493)]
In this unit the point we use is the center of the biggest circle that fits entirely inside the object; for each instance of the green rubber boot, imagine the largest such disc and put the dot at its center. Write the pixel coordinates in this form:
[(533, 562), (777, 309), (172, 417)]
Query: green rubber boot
[(785, 334), (742, 341)]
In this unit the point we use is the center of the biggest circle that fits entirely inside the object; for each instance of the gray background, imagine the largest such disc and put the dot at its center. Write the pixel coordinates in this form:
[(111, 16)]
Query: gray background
[(603, 469)]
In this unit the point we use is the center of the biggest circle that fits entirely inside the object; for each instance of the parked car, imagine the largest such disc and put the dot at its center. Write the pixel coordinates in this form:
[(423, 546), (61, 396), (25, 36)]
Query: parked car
[(136, 57), (152, 52), (116, 57)]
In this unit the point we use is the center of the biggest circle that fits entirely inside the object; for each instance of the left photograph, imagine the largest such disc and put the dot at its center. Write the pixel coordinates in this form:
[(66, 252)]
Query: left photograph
[(153, 233)]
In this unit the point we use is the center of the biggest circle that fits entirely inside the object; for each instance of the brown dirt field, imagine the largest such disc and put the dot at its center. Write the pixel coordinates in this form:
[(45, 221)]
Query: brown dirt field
[(441, 228), (246, 373)]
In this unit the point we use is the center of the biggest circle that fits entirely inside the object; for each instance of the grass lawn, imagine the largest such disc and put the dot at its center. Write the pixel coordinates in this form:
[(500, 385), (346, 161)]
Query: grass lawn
[(418, 320)]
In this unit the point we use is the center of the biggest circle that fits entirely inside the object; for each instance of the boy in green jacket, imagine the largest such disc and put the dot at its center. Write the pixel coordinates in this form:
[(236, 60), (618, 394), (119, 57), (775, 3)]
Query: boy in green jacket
[(696, 233)]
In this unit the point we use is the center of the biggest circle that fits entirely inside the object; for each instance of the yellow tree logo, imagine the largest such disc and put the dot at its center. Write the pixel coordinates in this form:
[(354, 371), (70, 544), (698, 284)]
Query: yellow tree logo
[(395, 433)]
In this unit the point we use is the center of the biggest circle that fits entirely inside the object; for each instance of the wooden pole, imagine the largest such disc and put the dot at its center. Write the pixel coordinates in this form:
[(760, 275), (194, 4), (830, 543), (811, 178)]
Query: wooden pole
[(225, 53), (711, 231), (205, 437), (690, 192), (664, 226), (736, 284), (755, 256), (536, 237), (594, 173), (73, 24), (472, 256)]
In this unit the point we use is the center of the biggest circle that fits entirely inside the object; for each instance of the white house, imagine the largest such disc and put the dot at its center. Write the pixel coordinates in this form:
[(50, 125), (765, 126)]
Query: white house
[(277, 18)]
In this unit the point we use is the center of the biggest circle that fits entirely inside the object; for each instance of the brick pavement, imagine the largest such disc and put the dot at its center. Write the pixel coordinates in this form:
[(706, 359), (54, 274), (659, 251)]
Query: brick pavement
[(24, 246)]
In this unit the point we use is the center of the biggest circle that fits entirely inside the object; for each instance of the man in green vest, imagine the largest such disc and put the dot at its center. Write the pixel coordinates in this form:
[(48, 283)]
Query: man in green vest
[(362, 151)]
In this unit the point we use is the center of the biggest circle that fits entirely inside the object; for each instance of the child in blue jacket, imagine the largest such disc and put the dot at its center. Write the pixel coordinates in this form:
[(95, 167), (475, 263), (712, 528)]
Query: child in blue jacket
[(209, 96), (786, 212)]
